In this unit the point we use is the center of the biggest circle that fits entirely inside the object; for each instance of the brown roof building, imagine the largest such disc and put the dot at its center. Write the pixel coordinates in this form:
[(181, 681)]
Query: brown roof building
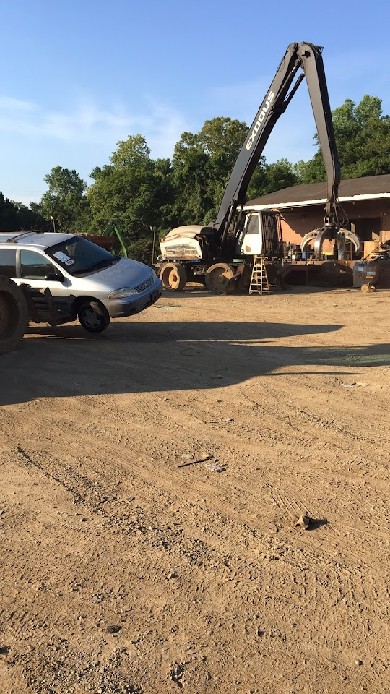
[(365, 201)]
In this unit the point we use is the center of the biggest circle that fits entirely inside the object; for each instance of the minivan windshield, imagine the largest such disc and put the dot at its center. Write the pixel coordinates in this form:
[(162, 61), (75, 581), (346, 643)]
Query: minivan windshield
[(79, 256)]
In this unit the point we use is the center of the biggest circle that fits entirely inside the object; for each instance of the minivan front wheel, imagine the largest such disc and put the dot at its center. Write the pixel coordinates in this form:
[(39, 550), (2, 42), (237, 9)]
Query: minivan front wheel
[(93, 316)]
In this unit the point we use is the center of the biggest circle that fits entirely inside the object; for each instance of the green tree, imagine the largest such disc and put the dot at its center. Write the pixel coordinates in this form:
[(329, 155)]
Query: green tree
[(271, 177), (190, 181), (14, 216), (362, 136), (65, 202), (133, 190), (202, 164)]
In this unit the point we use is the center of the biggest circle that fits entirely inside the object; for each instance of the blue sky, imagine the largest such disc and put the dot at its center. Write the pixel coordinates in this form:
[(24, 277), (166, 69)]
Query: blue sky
[(79, 75)]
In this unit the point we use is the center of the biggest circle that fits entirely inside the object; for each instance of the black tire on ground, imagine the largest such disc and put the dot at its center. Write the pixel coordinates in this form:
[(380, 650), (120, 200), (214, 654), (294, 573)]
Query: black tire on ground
[(93, 316), (13, 315), (243, 279), (173, 276), (220, 279)]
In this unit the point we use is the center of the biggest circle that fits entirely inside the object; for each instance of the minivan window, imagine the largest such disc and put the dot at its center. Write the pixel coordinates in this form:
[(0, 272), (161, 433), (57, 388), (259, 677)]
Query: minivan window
[(8, 262), (79, 256), (34, 266)]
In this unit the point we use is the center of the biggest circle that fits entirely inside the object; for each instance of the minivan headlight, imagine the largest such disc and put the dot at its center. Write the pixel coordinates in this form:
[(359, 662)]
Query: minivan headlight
[(122, 293)]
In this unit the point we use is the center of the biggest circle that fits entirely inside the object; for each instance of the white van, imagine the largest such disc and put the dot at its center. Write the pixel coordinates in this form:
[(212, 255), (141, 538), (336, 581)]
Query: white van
[(101, 285)]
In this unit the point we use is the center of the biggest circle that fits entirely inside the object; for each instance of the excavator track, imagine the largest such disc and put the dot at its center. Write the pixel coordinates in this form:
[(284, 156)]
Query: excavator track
[(13, 315)]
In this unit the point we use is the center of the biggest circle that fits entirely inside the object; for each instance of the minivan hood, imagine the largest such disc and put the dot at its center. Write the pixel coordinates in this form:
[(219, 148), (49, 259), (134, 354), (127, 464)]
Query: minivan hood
[(125, 273)]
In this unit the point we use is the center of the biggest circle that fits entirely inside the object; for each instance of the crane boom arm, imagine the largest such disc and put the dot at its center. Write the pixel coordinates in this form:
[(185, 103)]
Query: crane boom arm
[(299, 56)]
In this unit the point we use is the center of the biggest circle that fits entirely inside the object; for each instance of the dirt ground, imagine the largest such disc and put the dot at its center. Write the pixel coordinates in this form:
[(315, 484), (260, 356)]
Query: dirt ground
[(151, 479)]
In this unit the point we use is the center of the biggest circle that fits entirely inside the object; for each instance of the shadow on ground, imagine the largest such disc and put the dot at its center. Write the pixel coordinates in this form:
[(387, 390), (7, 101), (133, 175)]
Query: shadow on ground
[(159, 357)]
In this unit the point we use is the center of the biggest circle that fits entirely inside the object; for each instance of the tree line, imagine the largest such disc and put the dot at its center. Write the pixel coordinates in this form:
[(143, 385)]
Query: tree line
[(146, 197)]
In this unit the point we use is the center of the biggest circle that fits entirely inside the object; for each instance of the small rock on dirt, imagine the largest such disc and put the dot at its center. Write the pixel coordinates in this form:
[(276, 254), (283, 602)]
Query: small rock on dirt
[(302, 521), (215, 467), (113, 629)]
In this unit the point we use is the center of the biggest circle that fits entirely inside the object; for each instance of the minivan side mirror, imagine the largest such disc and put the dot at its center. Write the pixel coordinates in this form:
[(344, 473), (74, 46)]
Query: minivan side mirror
[(55, 277)]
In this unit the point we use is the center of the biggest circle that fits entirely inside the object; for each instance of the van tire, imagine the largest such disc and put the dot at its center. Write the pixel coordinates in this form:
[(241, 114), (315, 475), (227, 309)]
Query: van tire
[(93, 316)]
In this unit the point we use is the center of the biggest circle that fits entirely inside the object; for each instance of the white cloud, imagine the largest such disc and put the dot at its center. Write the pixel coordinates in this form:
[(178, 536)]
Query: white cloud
[(14, 106), (163, 128), (87, 123), (33, 139)]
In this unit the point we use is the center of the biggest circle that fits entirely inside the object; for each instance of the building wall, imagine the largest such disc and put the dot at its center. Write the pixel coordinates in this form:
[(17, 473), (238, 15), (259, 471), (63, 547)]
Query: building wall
[(369, 219)]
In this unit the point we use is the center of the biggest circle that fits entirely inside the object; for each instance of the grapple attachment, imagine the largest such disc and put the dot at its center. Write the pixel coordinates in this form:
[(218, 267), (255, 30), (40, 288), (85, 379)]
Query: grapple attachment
[(339, 234)]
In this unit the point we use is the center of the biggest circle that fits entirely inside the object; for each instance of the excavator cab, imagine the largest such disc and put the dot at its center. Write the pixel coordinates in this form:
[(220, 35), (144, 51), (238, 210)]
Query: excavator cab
[(261, 234), (250, 241)]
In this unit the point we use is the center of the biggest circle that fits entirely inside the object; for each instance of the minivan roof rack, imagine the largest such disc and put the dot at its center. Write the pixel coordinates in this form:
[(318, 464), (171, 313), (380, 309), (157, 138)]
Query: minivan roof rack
[(19, 235)]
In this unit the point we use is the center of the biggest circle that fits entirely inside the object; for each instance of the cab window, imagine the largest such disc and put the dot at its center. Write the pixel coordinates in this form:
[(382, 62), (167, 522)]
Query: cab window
[(34, 266), (8, 262), (253, 226)]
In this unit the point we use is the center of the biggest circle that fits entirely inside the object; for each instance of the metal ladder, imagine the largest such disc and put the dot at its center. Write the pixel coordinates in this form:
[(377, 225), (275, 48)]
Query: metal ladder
[(259, 278)]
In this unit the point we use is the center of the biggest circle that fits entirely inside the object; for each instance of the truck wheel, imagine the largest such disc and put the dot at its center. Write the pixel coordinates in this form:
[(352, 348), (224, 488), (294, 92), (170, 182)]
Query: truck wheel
[(173, 276), (93, 316), (13, 315), (219, 278), (244, 279)]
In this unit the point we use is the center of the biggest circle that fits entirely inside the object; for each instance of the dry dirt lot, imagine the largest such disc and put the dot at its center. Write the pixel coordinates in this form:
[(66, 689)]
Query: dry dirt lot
[(131, 564)]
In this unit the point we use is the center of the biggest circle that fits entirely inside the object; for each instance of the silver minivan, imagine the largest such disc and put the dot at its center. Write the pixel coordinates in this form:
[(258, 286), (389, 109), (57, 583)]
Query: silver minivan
[(100, 285)]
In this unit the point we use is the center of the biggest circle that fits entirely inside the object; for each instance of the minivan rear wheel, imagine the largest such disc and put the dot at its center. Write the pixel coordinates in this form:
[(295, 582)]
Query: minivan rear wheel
[(93, 316)]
